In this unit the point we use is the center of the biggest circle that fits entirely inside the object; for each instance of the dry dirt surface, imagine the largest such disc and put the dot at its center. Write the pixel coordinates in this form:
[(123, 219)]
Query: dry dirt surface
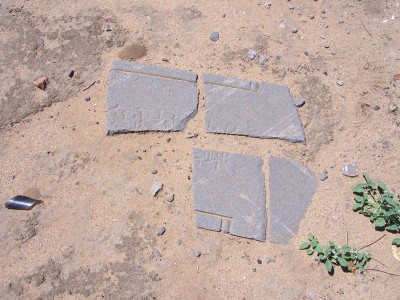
[(94, 236)]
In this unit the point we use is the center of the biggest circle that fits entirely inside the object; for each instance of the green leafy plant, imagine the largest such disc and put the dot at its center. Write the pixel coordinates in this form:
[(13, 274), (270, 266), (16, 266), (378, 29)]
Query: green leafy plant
[(349, 259), (374, 200), (396, 242)]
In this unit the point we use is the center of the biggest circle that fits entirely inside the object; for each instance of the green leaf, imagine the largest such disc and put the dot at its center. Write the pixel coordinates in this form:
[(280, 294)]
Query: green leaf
[(380, 222), (360, 255), (382, 187), (366, 177), (343, 263), (391, 202), (319, 249), (346, 248), (322, 257), (393, 227), (310, 251), (327, 251), (396, 242), (328, 265), (357, 206), (310, 236), (305, 245), (359, 199), (359, 189)]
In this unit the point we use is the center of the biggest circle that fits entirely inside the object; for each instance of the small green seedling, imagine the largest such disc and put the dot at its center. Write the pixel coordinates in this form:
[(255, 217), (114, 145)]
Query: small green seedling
[(374, 200), (349, 259)]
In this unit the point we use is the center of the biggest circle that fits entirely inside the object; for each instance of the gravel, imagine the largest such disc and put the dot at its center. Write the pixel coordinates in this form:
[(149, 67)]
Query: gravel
[(251, 54), (160, 230), (214, 36), (323, 176), (156, 187)]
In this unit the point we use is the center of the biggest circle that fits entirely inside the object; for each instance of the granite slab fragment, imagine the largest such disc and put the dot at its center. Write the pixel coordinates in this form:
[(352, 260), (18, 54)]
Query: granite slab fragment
[(292, 187), (229, 193), (242, 107), (149, 98)]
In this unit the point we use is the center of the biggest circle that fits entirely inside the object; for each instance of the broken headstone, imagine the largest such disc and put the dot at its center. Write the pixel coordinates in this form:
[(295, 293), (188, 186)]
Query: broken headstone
[(229, 193), (292, 187), (149, 98), (242, 107)]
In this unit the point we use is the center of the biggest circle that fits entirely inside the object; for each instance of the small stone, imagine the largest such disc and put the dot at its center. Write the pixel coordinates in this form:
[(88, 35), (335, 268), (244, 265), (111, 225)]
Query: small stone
[(323, 176), (306, 53), (160, 230), (197, 253), (41, 83), (268, 260), (299, 102), (158, 153), (311, 295), (326, 25), (312, 17), (267, 5), (339, 82), (282, 25), (336, 218), (108, 28), (169, 196), (262, 60), (350, 170), (164, 59), (178, 242), (259, 261), (393, 108), (326, 46), (251, 54), (156, 187), (71, 73), (278, 57), (192, 135), (86, 98), (153, 171), (376, 107), (214, 36), (341, 20), (295, 30)]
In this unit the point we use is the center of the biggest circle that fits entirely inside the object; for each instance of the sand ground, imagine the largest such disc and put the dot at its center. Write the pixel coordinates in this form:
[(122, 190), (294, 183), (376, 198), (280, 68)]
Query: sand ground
[(94, 235)]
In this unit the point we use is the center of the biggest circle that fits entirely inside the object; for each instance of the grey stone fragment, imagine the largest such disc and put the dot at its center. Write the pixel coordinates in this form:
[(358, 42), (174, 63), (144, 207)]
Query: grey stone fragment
[(242, 107), (153, 171), (214, 36), (350, 170), (209, 222), (251, 54), (86, 98), (149, 98), (339, 82), (225, 226), (160, 230), (229, 186), (292, 187), (323, 176), (262, 60), (156, 187), (197, 253), (299, 102)]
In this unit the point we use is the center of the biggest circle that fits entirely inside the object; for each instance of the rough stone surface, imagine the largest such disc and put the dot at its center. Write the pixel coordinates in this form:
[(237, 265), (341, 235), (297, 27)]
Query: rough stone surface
[(229, 193), (156, 187), (149, 98), (236, 106), (160, 230), (292, 187)]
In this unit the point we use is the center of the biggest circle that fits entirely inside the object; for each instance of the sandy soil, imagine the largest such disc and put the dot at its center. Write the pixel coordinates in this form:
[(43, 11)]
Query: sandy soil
[(94, 235)]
